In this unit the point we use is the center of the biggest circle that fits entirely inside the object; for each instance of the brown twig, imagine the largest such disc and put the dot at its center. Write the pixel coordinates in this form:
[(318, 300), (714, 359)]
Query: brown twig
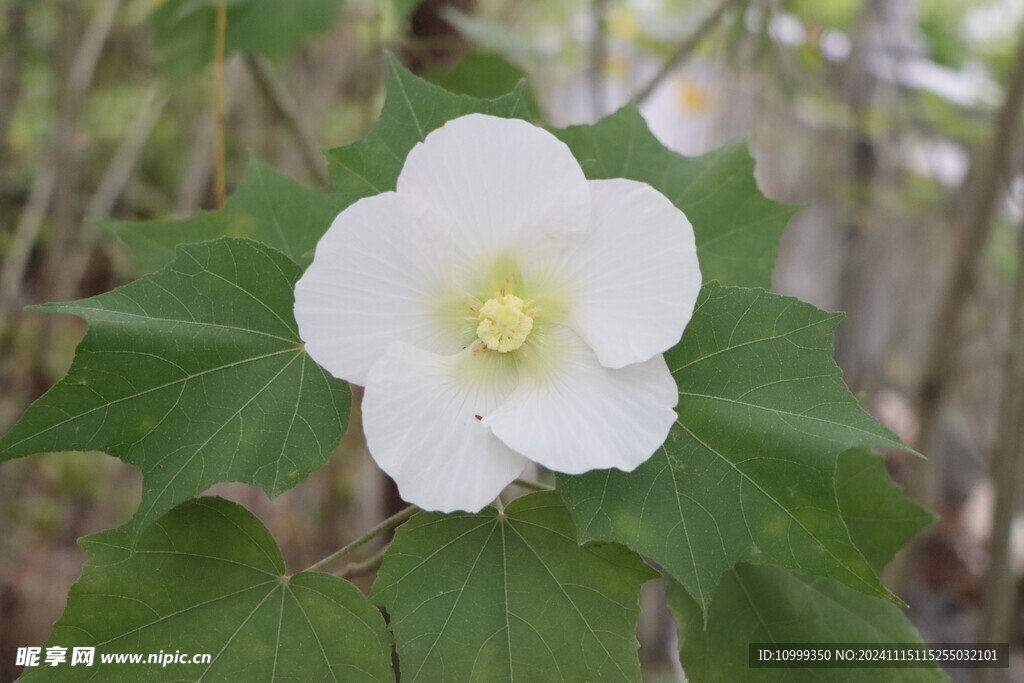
[(197, 171), (686, 48), (220, 34)]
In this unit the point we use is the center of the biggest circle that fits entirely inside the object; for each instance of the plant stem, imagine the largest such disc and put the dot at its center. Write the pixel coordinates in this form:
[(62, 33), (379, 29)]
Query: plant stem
[(365, 567), (533, 485), (392, 521), (220, 33)]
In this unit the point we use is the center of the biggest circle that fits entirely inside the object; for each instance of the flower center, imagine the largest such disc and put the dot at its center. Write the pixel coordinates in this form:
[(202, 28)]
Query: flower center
[(504, 325)]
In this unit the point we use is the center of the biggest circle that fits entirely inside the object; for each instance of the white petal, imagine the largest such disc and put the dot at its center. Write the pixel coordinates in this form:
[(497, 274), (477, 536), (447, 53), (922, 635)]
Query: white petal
[(379, 275), (572, 414), (420, 416), (502, 183), (635, 275)]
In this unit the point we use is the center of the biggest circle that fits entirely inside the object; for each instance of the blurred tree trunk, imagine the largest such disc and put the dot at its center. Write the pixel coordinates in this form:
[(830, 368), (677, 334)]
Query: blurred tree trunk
[(1001, 599), (858, 91), (971, 236), (980, 192)]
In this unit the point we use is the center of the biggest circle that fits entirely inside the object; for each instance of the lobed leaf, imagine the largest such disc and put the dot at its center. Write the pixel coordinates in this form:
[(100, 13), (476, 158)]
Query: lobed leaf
[(765, 604), (412, 108), (485, 75), (510, 596), (748, 471), (737, 227), (880, 518), (207, 578), (196, 375), (267, 206)]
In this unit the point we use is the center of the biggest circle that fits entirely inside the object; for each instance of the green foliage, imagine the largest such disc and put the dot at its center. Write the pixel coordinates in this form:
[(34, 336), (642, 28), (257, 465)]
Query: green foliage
[(942, 24), (208, 578), (484, 75), (196, 375), (267, 206), (183, 30), (737, 227), (412, 109), (762, 507), (748, 471), (510, 596), (879, 517), (758, 603)]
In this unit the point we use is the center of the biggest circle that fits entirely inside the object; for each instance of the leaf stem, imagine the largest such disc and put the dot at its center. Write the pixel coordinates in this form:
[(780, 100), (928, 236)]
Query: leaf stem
[(533, 485), (391, 522), (357, 568)]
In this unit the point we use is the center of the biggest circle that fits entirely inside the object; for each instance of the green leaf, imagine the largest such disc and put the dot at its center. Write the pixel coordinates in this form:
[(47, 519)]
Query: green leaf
[(881, 520), (207, 578), (412, 108), (494, 597), (484, 75), (267, 206), (737, 228), (183, 30), (764, 604), (747, 473), (196, 375)]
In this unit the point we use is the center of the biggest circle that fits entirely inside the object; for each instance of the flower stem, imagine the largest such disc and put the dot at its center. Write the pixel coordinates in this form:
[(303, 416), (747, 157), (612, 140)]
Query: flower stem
[(392, 521), (533, 485)]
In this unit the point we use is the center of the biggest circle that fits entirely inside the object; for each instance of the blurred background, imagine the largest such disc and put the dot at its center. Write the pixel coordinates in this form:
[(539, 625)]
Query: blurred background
[(896, 122)]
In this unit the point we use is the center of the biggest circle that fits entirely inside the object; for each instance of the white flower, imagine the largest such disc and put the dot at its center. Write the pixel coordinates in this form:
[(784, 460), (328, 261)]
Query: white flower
[(499, 308)]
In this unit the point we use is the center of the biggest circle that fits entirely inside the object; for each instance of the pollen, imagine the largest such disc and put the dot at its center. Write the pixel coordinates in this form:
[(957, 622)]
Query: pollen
[(504, 325)]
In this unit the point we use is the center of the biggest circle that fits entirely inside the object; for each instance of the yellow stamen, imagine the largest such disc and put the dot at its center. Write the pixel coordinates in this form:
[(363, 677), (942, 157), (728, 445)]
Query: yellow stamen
[(504, 325)]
